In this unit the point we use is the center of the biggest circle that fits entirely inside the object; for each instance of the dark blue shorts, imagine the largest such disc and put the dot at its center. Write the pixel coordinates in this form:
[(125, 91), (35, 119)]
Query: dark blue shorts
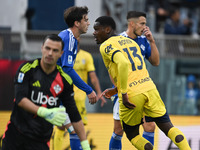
[(163, 119)]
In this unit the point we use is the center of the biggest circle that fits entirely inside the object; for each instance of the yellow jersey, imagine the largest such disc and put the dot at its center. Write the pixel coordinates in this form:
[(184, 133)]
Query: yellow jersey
[(137, 78), (83, 65)]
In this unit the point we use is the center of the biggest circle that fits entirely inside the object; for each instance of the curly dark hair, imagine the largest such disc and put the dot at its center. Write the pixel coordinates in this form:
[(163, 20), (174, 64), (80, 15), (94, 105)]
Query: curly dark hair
[(106, 21), (73, 14)]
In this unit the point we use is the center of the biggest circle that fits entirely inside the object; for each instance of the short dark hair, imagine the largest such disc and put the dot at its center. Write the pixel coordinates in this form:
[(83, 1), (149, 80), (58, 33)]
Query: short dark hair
[(172, 10), (135, 14), (73, 14), (54, 37), (106, 21)]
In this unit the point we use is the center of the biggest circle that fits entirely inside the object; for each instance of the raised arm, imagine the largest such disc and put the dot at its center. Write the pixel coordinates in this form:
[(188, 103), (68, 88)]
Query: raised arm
[(154, 59)]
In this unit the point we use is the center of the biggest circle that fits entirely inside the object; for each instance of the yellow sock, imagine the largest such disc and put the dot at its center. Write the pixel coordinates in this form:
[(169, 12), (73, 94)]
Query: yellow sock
[(139, 142), (58, 139), (183, 145)]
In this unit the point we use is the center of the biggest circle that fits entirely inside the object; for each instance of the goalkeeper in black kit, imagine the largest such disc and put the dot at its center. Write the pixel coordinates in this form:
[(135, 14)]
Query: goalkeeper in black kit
[(40, 87)]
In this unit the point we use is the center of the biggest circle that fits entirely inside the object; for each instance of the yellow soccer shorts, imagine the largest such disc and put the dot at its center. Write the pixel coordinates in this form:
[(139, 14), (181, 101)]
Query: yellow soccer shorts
[(148, 103), (82, 110)]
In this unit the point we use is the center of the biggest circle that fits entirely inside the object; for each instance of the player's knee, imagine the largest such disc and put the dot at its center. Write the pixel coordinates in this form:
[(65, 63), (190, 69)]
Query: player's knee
[(118, 131), (179, 138), (130, 134), (148, 146), (149, 127)]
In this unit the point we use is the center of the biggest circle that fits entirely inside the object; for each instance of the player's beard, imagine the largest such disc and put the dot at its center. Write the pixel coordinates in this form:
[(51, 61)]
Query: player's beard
[(135, 32), (84, 30)]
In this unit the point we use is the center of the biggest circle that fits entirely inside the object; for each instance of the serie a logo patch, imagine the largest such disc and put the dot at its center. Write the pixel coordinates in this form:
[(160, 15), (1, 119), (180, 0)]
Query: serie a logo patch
[(20, 77), (70, 59)]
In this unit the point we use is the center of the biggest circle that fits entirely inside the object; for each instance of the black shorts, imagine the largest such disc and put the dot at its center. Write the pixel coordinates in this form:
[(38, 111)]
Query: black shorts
[(163, 119), (129, 128), (14, 140)]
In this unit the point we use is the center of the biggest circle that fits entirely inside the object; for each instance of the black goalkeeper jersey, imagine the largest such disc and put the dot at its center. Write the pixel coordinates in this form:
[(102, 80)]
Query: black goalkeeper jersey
[(43, 90)]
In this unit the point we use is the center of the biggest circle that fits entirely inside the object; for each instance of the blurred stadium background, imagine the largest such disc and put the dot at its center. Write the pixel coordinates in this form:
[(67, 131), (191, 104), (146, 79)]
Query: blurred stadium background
[(24, 24)]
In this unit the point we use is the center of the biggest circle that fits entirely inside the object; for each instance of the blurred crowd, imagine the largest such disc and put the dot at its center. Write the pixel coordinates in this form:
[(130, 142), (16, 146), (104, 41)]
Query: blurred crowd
[(175, 17), (190, 105), (192, 95), (179, 17)]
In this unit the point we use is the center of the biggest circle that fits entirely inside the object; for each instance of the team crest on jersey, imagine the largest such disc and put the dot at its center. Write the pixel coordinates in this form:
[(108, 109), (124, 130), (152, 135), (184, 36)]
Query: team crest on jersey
[(70, 59), (108, 48), (142, 47), (20, 77), (57, 88)]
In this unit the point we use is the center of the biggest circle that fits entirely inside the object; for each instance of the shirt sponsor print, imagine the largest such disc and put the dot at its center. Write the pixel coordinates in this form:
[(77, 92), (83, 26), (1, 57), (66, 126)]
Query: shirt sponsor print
[(40, 98)]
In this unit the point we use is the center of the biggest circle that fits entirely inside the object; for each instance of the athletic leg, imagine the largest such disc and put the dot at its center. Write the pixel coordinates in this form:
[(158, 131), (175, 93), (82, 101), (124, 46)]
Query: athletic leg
[(175, 135), (75, 142), (132, 133), (115, 141), (155, 108), (131, 120), (58, 138), (58, 134), (149, 128)]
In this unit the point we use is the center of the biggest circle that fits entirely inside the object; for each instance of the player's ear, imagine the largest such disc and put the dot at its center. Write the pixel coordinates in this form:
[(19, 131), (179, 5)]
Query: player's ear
[(76, 23), (132, 23), (42, 48), (108, 29)]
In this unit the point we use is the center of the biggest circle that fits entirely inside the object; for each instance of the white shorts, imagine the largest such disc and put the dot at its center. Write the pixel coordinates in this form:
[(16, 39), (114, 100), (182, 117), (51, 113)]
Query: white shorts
[(116, 108)]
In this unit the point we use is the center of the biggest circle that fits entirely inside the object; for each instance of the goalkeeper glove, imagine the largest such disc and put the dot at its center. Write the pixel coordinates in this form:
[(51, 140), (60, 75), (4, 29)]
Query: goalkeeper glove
[(85, 145), (55, 116)]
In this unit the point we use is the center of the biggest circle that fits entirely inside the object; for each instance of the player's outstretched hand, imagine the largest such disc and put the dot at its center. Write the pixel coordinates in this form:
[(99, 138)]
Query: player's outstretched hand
[(109, 92), (103, 101), (92, 97), (55, 116), (126, 101)]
